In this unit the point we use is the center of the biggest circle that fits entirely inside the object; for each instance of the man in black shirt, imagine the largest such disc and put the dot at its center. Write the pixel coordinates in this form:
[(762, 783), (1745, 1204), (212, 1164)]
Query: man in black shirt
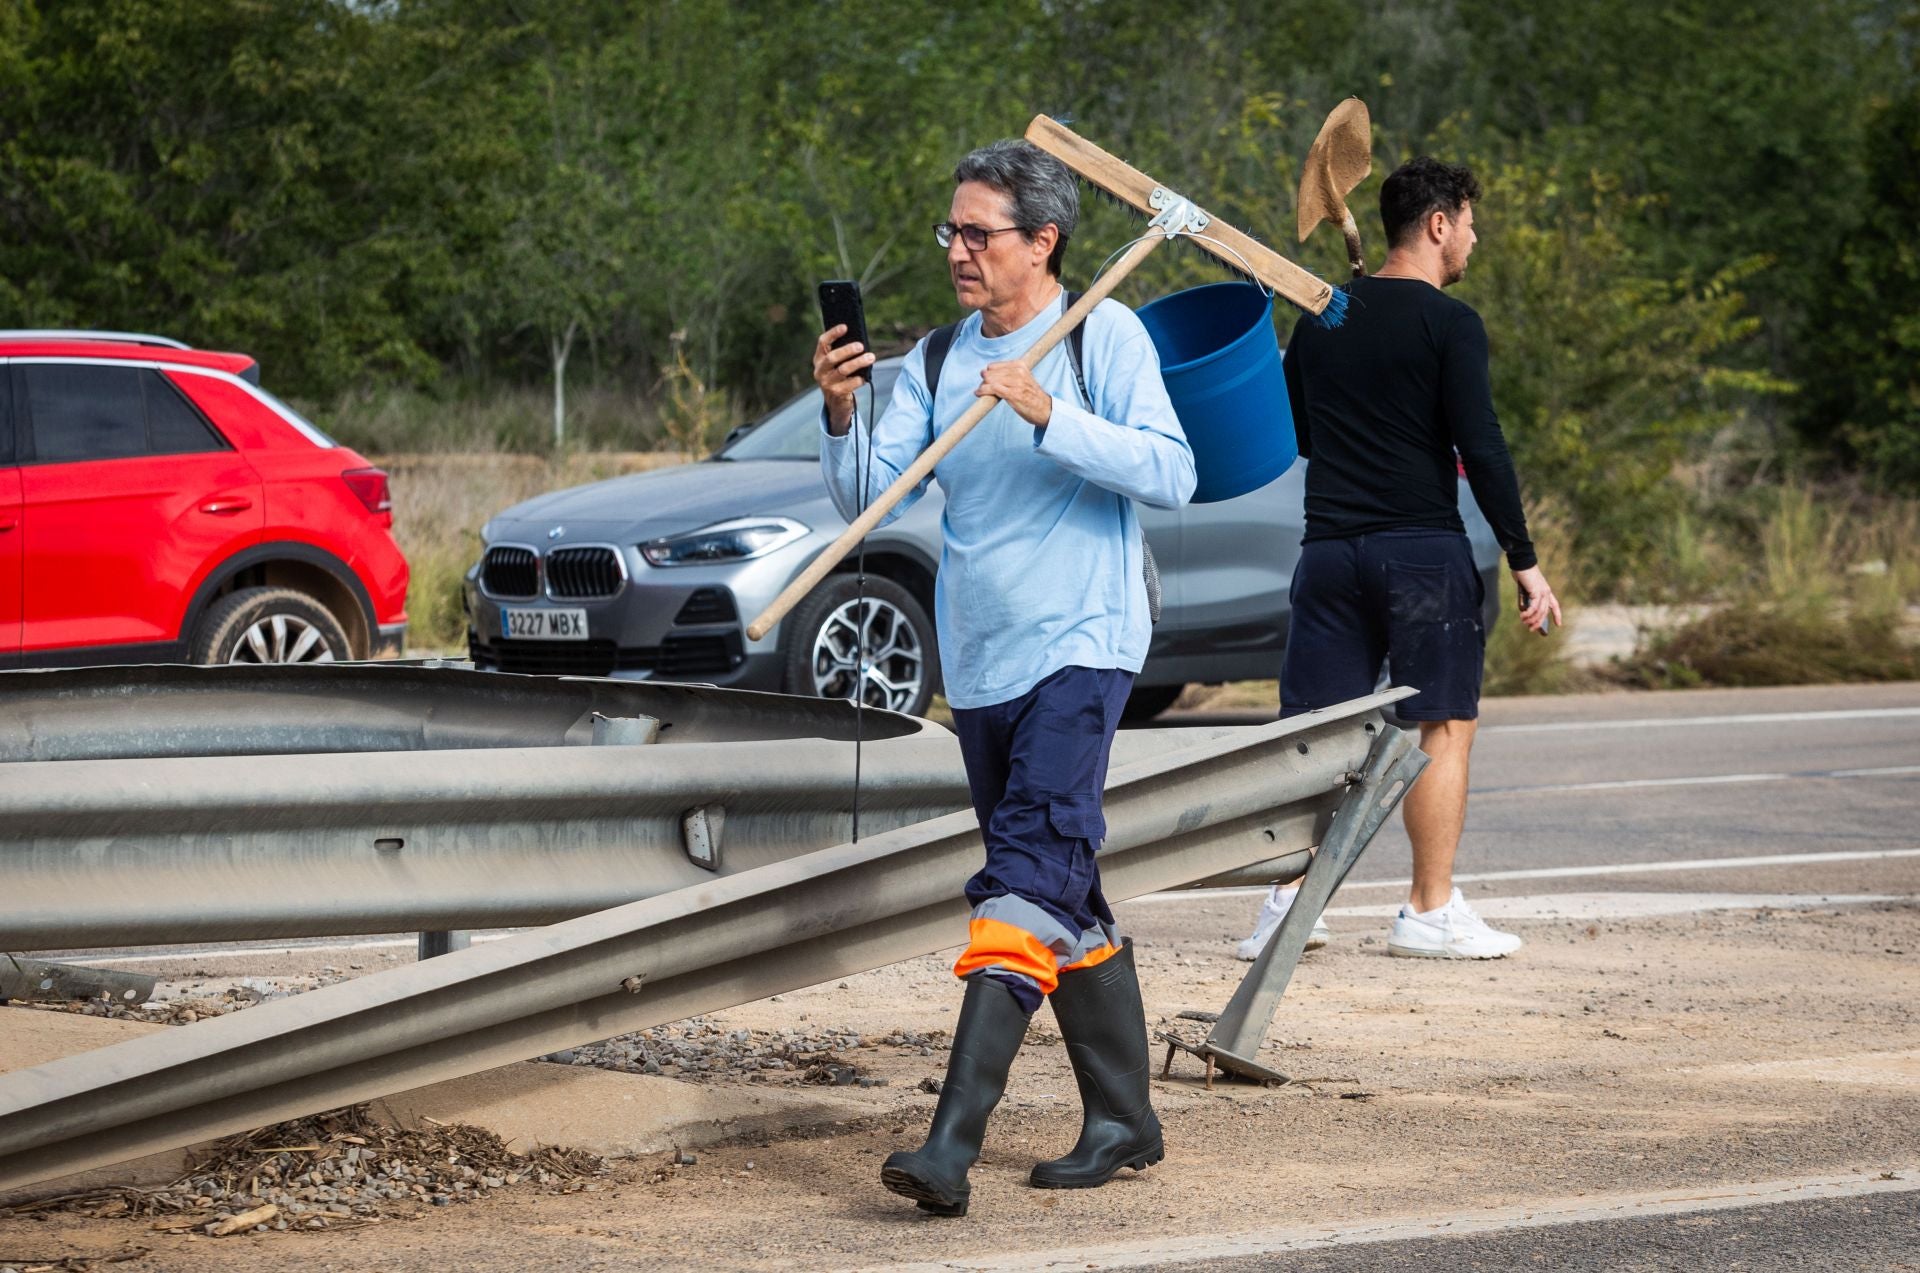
[(1382, 405)]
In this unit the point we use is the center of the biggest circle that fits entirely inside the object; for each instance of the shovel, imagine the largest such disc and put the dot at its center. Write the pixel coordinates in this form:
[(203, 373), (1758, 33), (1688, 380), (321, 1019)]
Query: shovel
[(1340, 159)]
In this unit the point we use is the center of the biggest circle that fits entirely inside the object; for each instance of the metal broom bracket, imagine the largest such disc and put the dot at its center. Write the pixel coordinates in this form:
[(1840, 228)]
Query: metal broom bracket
[(1177, 214)]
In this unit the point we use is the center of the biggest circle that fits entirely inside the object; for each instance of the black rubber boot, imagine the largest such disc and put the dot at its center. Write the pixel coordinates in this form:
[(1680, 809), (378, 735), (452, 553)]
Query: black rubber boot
[(1105, 1029), (992, 1024)]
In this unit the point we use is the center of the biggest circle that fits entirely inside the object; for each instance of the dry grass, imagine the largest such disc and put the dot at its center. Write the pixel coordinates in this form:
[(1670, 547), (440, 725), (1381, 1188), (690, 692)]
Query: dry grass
[(441, 501), (393, 421), (1813, 587), (1759, 643), (1234, 696)]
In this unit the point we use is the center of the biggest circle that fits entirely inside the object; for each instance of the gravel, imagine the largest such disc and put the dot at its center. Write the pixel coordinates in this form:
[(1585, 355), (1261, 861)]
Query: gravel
[(339, 1169), (701, 1049), (187, 1002)]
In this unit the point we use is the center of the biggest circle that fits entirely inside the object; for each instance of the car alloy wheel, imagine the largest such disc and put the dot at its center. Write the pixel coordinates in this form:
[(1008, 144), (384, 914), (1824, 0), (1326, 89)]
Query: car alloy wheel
[(269, 625), (281, 638), (873, 643)]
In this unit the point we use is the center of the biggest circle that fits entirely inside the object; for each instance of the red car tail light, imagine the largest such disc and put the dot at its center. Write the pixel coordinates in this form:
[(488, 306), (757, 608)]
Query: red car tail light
[(370, 488)]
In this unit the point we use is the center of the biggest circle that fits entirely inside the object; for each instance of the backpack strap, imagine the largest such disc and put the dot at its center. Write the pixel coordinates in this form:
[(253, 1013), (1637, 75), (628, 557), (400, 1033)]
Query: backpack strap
[(1077, 352), (940, 340)]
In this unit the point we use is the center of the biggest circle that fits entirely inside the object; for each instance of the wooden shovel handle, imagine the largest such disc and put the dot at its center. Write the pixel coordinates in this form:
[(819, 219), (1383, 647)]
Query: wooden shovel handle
[(834, 553)]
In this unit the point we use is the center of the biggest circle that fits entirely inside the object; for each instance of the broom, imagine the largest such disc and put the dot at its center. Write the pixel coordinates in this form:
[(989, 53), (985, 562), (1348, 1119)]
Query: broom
[(1172, 216)]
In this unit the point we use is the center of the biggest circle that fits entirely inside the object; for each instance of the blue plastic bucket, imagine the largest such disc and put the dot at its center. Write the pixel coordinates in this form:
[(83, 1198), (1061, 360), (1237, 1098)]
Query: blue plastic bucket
[(1221, 361)]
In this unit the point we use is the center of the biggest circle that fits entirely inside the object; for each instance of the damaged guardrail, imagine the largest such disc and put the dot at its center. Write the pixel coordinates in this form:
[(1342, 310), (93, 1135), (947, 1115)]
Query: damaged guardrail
[(1254, 795), (184, 849), (123, 852), (171, 804), (127, 713)]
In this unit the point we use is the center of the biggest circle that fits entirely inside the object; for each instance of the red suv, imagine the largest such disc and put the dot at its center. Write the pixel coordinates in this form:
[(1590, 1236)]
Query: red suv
[(158, 506)]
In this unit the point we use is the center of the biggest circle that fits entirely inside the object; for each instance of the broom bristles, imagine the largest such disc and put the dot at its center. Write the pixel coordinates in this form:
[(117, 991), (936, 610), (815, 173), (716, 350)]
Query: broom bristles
[(1334, 314)]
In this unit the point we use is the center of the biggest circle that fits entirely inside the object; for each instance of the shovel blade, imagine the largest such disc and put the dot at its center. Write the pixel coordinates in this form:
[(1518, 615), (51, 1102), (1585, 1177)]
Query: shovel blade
[(1340, 159)]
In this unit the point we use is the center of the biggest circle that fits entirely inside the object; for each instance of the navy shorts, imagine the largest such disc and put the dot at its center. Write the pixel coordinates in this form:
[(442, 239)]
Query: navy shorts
[(1411, 598)]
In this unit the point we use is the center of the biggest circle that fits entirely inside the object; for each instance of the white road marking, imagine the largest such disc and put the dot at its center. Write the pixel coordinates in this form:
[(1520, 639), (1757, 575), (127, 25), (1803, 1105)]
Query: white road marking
[(1623, 784), (1631, 905), (1692, 864), (1699, 780), (1574, 872), (1534, 1215), (1659, 722)]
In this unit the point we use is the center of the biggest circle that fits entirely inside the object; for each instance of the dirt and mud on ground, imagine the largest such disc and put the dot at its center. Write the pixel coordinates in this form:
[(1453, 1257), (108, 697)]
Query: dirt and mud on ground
[(1670, 1051)]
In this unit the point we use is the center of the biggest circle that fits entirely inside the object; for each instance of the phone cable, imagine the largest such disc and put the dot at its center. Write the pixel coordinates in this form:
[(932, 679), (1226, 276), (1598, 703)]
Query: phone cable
[(863, 477)]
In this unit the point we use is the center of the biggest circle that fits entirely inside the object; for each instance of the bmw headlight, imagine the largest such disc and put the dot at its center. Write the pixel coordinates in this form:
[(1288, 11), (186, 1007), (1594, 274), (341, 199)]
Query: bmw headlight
[(741, 539)]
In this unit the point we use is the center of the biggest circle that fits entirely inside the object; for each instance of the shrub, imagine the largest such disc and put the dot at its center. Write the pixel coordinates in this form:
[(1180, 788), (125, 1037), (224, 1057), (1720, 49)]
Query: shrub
[(1769, 643)]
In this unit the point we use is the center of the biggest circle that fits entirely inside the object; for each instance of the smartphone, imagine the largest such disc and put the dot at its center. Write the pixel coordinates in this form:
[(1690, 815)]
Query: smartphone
[(1546, 621), (840, 303)]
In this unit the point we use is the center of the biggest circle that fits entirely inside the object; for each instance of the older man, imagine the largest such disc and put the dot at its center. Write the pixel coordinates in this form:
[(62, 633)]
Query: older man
[(1041, 610)]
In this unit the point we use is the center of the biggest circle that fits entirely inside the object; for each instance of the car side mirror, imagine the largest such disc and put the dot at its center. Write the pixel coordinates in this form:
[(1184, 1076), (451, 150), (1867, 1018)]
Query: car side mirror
[(733, 435)]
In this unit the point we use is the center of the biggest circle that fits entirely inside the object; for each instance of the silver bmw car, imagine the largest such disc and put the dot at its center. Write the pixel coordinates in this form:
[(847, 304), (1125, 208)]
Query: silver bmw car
[(657, 575)]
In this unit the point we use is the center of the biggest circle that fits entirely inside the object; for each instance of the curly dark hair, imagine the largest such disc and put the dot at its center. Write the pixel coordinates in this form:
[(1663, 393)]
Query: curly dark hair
[(1421, 187)]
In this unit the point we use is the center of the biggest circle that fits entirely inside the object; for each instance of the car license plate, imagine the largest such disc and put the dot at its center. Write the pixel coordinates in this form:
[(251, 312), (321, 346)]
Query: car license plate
[(544, 625)]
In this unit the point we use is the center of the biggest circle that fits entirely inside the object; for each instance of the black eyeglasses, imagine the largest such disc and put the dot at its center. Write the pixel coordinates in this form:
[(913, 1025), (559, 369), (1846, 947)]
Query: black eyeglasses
[(974, 236)]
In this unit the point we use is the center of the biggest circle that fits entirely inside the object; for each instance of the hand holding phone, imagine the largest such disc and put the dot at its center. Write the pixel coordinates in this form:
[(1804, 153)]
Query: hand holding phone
[(840, 305), (1546, 620)]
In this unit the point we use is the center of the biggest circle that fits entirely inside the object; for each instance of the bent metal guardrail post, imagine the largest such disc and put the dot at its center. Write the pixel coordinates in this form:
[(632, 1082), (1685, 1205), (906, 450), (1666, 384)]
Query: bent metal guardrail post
[(1258, 794), (1236, 1037)]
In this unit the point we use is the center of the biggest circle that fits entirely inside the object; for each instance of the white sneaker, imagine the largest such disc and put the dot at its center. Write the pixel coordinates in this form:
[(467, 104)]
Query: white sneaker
[(1452, 932), (1272, 911)]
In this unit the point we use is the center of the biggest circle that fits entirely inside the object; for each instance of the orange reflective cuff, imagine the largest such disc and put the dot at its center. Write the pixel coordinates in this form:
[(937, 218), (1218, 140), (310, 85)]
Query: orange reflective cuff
[(1099, 956), (993, 943)]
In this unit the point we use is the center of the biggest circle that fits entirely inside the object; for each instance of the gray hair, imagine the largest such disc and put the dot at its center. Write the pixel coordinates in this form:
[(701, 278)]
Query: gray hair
[(1040, 189)]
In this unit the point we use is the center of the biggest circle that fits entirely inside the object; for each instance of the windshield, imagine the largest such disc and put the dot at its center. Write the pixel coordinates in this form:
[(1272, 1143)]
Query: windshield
[(792, 431)]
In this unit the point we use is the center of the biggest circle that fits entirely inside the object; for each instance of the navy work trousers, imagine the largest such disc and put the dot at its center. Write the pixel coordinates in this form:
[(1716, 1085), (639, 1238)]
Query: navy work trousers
[(1036, 767)]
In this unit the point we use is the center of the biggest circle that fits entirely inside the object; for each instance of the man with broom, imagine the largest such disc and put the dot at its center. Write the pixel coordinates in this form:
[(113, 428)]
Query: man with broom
[(1042, 616)]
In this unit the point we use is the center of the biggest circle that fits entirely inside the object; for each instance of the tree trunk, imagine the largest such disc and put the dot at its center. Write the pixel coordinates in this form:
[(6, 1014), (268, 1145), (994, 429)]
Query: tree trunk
[(560, 347)]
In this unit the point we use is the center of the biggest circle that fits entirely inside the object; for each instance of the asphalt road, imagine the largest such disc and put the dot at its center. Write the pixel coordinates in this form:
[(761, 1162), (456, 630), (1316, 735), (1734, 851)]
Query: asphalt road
[(1604, 779), (1880, 1232), (1665, 793)]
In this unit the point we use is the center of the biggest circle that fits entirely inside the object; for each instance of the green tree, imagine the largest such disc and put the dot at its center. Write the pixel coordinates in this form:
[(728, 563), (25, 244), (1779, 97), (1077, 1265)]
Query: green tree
[(285, 178), (1861, 360), (1604, 368)]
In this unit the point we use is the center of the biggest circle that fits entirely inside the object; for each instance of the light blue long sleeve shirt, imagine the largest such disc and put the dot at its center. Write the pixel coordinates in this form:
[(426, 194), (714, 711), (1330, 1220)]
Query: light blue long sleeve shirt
[(1040, 562)]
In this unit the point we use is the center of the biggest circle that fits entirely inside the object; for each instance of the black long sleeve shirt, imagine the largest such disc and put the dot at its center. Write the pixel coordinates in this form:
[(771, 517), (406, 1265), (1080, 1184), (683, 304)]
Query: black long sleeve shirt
[(1381, 404)]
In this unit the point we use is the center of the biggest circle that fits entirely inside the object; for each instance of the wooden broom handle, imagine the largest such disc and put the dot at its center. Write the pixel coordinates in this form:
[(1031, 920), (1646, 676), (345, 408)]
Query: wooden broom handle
[(834, 553)]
